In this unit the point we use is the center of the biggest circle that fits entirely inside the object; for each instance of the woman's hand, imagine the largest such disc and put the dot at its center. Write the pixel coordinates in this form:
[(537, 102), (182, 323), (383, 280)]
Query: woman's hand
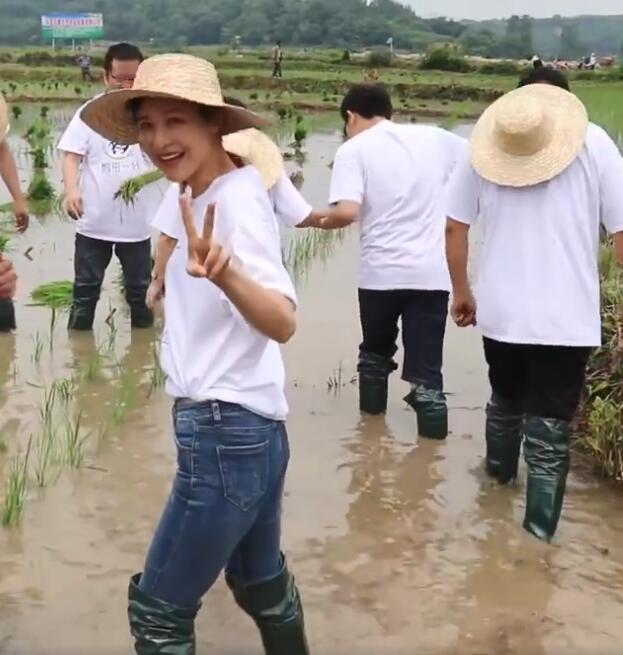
[(206, 258)]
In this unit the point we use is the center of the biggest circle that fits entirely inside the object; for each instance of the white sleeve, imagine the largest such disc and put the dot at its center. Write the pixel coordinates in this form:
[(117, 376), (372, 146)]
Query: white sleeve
[(462, 194), (290, 206), (255, 241), (456, 149), (610, 166), (347, 178), (168, 218), (76, 136)]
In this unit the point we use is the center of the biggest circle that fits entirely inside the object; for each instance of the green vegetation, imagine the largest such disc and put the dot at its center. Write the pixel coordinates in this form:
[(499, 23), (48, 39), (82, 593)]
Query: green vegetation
[(16, 486), (56, 295)]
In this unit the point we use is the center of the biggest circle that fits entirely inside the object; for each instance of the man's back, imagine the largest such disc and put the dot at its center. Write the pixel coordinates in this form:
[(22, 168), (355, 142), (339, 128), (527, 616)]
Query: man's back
[(398, 174)]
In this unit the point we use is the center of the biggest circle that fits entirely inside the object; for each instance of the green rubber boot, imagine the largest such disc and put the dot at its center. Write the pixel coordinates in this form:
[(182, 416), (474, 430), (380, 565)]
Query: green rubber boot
[(374, 372), (546, 450), (432, 412), (276, 608), (503, 436), (158, 627)]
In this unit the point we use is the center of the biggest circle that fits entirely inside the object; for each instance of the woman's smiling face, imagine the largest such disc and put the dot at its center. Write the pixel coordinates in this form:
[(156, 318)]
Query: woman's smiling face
[(178, 136)]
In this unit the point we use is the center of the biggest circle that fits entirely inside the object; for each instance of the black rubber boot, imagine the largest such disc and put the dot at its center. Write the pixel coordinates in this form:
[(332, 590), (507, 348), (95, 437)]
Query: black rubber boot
[(503, 436), (546, 450), (82, 313), (7, 316), (140, 315), (432, 412), (374, 372), (159, 628), (276, 608)]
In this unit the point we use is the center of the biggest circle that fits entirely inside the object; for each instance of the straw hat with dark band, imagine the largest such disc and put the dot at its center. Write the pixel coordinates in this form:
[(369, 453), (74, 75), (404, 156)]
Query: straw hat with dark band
[(4, 118), (529, 136), (180, 77)]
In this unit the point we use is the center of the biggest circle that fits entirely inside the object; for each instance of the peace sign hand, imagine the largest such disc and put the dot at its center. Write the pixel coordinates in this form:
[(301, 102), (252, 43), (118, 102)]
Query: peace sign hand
[(206, 258)]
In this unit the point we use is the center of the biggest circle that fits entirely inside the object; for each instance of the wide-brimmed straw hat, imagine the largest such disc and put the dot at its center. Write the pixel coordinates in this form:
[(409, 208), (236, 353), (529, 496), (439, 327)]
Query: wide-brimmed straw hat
[(4, 118), (180, 77), (529, 136), (256, 149)]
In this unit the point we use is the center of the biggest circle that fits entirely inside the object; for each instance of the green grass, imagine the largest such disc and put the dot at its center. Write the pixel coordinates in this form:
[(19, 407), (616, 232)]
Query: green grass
[(16, 488), (56, 295)]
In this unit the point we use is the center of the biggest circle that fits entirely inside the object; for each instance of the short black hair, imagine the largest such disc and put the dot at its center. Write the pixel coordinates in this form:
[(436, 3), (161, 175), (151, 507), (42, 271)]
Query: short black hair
[(545, 75), (367, 100), (230, 100), (121, 52)]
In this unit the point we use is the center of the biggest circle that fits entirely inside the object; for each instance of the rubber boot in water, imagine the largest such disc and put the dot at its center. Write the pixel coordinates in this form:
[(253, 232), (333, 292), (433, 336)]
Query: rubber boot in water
[(374, 372), (432, 412), (276, 608), (82, 313), (503, 437), (159, 628), (546, 450), (140, 315), (7, 316)]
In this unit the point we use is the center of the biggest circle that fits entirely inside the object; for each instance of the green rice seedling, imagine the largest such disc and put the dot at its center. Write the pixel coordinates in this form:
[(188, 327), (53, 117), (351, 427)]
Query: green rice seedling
[(16, 487), (46, 456), (16, 110), (74, 441), (4, 242), (37, 349), (56, 295), (124, 398), (93, 366), (132, 187), (158, 376), (64, 388)]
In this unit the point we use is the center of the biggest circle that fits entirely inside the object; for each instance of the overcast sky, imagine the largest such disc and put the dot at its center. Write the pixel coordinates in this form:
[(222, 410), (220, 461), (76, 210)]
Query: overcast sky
[(478, 9)]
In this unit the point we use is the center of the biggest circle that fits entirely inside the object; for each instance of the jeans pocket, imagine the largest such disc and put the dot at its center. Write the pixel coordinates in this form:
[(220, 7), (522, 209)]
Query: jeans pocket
[(185, 435), (244, 473)]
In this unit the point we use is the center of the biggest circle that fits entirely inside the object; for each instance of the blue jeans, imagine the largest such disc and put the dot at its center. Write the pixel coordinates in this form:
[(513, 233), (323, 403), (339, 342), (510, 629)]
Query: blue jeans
[(224, 510)]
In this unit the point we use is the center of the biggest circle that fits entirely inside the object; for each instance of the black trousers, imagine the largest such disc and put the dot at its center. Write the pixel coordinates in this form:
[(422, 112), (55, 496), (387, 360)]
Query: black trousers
[(92, 258), (423, 315), (543, 381), (277, 69)]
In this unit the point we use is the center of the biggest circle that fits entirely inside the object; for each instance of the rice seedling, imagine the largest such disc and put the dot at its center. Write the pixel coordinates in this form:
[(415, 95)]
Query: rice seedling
[(16, 486), (124, 399), (132, 187), (56, 295), (46, 456), (16, 110), (74, 441), (37, 349), (64, 389), (4, 242), (311, 245), (158, 376), (93, 366)]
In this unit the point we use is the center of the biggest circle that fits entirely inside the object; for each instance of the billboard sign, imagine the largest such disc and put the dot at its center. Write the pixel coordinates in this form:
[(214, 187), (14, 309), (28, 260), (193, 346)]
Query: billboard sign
[(72, 26)]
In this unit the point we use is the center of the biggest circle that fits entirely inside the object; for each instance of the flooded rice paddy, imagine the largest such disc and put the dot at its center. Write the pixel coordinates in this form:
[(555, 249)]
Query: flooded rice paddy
[(399, 546)]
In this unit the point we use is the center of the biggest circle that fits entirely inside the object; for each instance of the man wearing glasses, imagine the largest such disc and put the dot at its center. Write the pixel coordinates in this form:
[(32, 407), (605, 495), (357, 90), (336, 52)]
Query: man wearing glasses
[(93, 171), (390, 178)]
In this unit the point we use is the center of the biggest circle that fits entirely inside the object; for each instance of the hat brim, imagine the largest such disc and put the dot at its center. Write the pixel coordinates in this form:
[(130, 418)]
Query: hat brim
[(570, 125), (258, 150), (108, 115)]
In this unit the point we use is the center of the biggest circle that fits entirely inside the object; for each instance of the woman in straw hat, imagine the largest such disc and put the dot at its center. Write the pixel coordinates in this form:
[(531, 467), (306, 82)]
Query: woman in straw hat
[(229, 303), (246, 148), (542, 179), (9, 175)]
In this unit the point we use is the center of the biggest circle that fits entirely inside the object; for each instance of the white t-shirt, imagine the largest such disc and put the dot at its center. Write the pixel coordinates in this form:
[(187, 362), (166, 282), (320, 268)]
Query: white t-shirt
[(538, 280), (105, 166), (209, 351), (397, 173), (288, 205)]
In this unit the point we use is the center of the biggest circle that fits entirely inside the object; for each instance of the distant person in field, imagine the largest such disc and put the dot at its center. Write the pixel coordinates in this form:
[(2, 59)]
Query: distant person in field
[(543, 181), (10, 177), (277, 60), (84, 61), (389, 178), (94, 168)]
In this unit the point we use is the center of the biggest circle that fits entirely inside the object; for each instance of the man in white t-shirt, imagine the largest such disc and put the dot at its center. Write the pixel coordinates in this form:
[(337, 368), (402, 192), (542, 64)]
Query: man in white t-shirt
[(391, 178), (542, 180), (94, 169)]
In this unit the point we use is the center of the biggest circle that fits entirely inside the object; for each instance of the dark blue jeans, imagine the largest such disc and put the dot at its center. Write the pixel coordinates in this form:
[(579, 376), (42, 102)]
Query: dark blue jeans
[(224, 511)]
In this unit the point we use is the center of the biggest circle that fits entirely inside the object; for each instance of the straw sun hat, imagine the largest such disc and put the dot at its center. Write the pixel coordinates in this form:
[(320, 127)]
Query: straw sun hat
[(180, 77), (529, 136), (256, 149)]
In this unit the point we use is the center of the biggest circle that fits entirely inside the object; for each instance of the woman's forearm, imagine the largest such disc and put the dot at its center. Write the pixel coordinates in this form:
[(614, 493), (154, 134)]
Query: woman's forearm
[(268, 311), (8, 172), (457, 254)]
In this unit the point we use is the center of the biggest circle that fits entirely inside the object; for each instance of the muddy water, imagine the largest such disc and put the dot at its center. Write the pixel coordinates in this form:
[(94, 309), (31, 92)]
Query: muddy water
[(399, 545)]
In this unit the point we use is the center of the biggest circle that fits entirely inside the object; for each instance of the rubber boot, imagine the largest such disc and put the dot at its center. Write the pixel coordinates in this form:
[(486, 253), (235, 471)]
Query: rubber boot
[(546, 450), (140, 315), (276, 608), (432, 412), (159, 628), (82, 313), (7, 316), (374, 371), (503, 437)]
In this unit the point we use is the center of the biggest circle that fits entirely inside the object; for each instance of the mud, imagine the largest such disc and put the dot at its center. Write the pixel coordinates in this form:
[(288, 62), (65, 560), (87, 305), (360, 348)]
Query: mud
[(399, 546)]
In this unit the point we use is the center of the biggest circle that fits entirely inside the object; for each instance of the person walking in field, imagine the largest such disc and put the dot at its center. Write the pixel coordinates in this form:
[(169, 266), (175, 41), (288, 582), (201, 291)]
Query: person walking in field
[(10, 177), (229, 303), (84, 61), (542, 180), (390, 179), (277, 56), (94, 168)]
